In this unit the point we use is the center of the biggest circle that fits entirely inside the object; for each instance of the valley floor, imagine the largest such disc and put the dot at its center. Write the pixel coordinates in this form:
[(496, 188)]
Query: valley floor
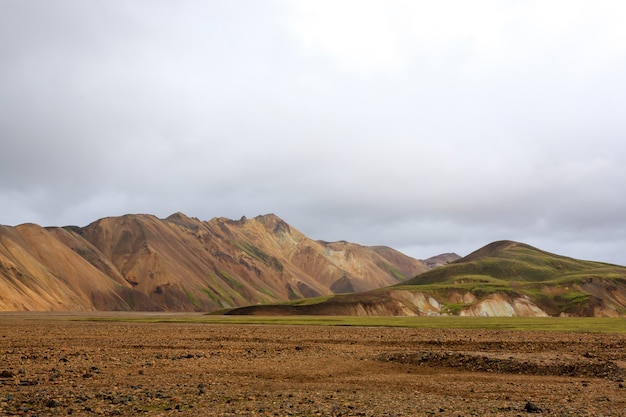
[(52, 366)]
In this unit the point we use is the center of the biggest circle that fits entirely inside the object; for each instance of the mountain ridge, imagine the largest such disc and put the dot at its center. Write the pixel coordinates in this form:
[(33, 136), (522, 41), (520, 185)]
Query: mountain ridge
[(263, 265), (180, 263)]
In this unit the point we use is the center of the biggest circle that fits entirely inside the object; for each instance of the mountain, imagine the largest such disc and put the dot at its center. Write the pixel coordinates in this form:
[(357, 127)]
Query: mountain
[(504, 278), (141, 262)]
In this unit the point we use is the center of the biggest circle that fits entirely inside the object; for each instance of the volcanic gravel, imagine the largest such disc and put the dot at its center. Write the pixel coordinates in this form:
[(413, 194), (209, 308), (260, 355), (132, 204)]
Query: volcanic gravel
[(53, 367)]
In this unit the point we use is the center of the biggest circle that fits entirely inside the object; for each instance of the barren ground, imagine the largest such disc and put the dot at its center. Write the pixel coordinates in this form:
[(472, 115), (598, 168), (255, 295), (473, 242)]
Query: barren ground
[(51, 367)]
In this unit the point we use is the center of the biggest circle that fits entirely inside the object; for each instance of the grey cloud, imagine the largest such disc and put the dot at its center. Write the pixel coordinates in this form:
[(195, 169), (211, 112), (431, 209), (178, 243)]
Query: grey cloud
[(438, 137)]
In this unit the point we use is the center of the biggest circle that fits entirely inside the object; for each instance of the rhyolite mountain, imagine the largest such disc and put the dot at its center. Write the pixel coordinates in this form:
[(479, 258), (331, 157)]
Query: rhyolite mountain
[(504, 278), (143, 263)]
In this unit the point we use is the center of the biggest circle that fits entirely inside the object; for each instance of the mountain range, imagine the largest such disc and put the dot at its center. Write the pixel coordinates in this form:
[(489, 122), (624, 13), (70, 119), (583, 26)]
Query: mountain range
[(503, 278), (141, 262), (265, 266)]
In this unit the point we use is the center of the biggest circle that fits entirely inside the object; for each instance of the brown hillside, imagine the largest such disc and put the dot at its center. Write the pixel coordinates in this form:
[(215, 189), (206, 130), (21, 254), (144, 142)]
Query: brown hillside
[(141, 262), (440, 260), (39, 272)]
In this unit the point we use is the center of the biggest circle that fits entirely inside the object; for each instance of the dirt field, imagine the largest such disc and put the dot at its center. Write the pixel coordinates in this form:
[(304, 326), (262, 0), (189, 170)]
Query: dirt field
[(59, 367)]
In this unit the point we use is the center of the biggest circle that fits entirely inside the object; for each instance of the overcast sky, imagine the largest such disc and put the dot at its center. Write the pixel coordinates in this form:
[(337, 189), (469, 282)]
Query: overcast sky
[(427, 126)]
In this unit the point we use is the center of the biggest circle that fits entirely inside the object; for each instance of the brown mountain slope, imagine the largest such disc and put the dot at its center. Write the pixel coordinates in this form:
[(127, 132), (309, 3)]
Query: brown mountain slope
[(440, 260), (38, 272), (140, 262)]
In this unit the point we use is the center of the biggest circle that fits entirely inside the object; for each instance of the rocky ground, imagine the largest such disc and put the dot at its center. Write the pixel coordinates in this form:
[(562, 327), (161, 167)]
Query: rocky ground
[(51, 367)]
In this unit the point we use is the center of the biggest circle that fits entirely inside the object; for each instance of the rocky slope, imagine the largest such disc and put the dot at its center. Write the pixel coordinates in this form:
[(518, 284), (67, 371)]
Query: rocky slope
[(140, 262), (501, 279)]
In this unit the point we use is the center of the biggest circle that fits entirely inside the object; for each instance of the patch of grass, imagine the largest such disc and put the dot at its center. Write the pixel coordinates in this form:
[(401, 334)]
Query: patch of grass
[(192, 298), (559, 324), (572, 299), (234, 283), (480, 283), (309, 301), (226, 291), (268, 292), (257, 253), (397, 274), (454, 308), (212, 296)]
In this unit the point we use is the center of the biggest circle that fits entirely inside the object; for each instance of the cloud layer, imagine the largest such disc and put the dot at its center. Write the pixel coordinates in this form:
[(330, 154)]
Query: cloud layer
[(426, 126)]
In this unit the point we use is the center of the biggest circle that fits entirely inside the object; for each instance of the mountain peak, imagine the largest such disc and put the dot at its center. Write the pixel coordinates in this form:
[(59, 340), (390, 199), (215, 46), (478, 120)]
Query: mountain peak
[(491, 249), (268, 217), (183, 220), (273, 223), (177, 216)]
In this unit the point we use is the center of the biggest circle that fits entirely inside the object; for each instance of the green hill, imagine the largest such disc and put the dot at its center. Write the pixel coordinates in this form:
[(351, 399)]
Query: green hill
[(504, 263), (504, 278), (558, 284)]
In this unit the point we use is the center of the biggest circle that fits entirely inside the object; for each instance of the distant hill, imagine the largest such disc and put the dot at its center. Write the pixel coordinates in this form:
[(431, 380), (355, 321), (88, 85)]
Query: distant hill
[(141, 262), (504, 278)]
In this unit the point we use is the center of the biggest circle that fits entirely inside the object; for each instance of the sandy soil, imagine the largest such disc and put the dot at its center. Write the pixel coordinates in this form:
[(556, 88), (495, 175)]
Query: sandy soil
[(51, 367)]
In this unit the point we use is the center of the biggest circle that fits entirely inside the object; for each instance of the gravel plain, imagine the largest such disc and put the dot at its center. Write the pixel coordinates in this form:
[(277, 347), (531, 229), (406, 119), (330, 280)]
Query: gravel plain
[(54, 367)]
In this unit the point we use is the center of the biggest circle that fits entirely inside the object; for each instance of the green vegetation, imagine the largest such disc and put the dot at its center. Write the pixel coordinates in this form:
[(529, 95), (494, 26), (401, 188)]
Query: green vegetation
[(516, 269), (192, 298), (229, 292), (234, 283), (309, 301), (561, 324), (482, 284), (565, 300), (572, 299), (268, 292), (555, 284), (399, 275), (257, 253), (212, 296), (453, 309), (516, 262)]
